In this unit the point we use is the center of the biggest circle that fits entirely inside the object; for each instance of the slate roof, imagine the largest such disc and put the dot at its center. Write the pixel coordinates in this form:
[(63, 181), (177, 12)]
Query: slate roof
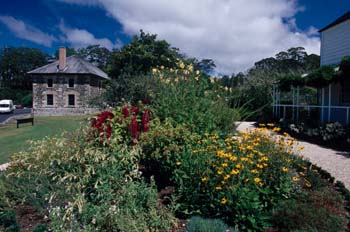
[(75, 65), (339, 20)]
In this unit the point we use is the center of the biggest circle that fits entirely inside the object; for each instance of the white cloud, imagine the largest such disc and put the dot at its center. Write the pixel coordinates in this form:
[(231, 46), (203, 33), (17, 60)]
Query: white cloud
[(81, 38), (234, 33), (26, 31)]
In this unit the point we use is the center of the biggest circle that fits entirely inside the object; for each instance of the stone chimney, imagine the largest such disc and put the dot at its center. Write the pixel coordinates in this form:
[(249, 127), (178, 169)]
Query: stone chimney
[(62, 59)]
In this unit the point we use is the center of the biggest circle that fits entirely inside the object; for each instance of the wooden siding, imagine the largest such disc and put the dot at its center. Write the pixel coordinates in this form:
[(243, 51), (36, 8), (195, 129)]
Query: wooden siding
[(335, 43)]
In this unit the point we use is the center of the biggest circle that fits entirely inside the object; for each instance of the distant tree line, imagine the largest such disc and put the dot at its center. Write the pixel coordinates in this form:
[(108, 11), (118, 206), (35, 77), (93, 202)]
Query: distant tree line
[(129, 65)]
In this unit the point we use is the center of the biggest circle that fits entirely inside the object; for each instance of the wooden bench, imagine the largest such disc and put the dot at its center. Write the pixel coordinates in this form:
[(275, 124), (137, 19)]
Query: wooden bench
[(25, 120)]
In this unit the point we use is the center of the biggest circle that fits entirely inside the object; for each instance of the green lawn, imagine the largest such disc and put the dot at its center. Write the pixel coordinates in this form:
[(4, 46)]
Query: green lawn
[(14, 140)]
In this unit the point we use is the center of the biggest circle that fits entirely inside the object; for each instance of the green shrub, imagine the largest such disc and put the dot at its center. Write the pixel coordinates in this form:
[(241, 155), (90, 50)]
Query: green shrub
[(296, 215), (12, 228), (8, 218), (192, 99), (161, 148), (41, 228), (19, 96), (87, 187), (199, 224)]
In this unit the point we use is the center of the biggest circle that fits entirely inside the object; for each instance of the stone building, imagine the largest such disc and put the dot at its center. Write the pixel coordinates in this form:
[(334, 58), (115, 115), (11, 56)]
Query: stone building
[(64, 87)]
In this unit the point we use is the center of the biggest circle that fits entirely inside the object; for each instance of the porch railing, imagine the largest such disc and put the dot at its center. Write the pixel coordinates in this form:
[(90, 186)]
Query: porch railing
[(280, 110)]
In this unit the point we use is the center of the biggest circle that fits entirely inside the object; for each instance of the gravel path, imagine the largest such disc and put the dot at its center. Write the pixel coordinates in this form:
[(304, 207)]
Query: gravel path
[(330, 160)]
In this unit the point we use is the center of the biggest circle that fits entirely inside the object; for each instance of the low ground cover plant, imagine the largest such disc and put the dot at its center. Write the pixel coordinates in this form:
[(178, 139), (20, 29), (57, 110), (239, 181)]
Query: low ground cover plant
[(333, 134), (199, 224)]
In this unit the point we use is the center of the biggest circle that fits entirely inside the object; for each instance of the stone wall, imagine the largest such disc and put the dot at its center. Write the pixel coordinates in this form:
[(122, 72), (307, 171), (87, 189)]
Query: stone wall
[(85, 87), (64, 111)]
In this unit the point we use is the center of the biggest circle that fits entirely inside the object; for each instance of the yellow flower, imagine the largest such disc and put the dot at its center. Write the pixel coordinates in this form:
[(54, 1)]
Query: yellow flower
[(295, 179), (234, 172), (286, 134), (204, 179), (276, 129), (257, 180), (178, 163), (254, 171), (227, 177), (270, 124), (260, 166), (239, 166), (154, 70), (218, 188), (182, 65), (223, 201), (262, 125), (284, 169), (308, 184), (224, 164), (220, 171)]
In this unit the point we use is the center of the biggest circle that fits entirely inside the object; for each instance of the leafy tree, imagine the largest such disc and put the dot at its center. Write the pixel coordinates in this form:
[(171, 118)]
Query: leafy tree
[(16, 62), (143, 53), (96, 55), (205, 65)]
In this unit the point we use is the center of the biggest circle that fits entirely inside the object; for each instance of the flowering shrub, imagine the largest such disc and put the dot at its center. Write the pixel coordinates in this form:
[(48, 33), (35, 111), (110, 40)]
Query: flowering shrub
[(83, 187), (239, 179), (123, 120), (191, 98), (161, 149), (102, 124)]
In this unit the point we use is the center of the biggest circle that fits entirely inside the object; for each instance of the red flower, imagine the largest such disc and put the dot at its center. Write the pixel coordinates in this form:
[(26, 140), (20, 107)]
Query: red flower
[(102, 124), (134, 131), (145, 120), (125, 111), (134, 109)]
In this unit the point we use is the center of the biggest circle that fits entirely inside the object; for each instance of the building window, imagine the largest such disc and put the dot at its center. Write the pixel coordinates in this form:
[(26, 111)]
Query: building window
[(71, 100), (49, 83), (71, 83), (49, 99)]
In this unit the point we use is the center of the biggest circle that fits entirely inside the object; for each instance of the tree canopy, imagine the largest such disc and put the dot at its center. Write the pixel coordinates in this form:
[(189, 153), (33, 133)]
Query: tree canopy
[(141, 54), (16, 62)]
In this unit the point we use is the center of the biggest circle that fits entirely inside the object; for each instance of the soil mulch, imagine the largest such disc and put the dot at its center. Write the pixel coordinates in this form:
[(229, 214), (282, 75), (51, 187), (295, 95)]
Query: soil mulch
[(28, 218)]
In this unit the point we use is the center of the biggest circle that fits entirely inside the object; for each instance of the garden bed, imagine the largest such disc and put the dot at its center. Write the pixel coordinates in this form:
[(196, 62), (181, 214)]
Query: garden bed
[(173, 163)]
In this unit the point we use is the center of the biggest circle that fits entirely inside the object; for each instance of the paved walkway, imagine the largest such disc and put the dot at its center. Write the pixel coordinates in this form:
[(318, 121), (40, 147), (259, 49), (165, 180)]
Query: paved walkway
[(335, 162)]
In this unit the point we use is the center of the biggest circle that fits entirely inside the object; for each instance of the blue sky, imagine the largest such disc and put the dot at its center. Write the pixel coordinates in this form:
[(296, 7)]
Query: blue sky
[(233, 33)]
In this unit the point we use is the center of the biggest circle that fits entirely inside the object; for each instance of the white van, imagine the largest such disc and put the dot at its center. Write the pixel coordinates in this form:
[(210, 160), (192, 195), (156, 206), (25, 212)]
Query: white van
[(6, 106)]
